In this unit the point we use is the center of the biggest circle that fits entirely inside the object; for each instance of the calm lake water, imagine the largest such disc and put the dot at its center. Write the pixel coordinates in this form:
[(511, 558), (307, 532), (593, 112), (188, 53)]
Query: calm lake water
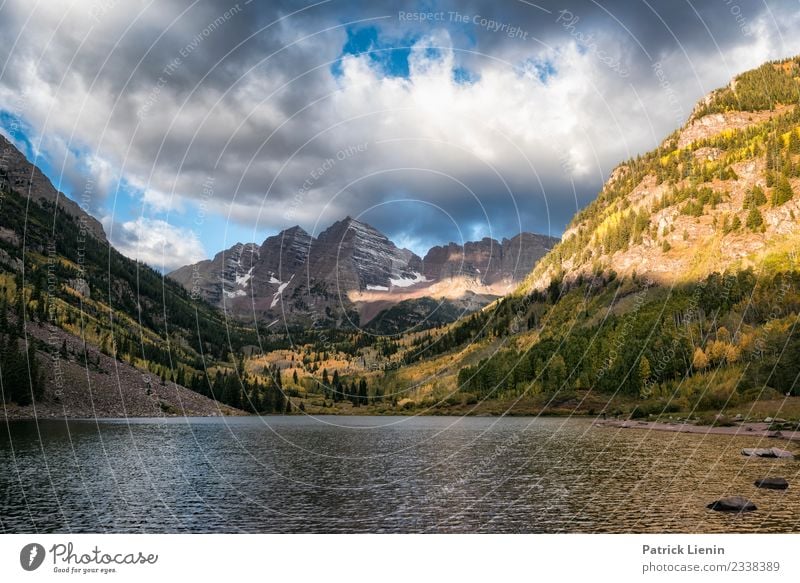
[(380, 474)]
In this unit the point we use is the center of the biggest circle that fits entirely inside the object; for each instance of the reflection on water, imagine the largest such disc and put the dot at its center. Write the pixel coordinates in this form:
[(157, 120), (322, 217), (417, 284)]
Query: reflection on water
[(379, 474)]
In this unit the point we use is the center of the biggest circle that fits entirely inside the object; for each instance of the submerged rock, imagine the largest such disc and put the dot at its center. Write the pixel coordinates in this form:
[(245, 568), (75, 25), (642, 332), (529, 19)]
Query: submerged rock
[(771, 452), (772, 483), (732, 504)]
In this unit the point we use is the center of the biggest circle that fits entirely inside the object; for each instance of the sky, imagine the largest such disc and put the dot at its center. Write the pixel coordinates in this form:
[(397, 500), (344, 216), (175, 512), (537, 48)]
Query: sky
[(191, 126)]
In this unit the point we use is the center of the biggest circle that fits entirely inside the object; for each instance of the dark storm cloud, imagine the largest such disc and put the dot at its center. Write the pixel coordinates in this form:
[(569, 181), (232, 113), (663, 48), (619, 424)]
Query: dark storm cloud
[(167, 94)]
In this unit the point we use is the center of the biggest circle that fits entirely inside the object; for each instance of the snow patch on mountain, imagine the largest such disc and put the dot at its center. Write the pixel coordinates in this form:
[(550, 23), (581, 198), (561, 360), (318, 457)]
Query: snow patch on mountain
[(276, 297), (404, 281), (241, 280)]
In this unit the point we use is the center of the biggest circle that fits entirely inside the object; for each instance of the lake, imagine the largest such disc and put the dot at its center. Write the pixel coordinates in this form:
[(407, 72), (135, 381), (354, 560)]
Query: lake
[(380, 474)]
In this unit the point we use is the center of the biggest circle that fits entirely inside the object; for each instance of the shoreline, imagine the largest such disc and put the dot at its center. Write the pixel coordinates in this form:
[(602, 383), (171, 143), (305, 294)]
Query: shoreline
[(744, 429)]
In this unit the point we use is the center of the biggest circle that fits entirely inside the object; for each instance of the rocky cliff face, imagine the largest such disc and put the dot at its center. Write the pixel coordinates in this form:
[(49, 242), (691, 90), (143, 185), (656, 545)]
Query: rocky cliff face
[(356, 256), (488, 261), (351, 272)]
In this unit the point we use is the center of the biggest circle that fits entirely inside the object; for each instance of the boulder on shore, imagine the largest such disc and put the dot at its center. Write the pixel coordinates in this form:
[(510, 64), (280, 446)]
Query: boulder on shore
[(771, 452), (772, 483), (732, 504)]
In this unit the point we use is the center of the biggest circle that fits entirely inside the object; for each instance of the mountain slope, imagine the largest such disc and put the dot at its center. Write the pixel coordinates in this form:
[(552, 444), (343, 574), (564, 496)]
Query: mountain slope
[(717, 194), (59, 273), (677, 289)]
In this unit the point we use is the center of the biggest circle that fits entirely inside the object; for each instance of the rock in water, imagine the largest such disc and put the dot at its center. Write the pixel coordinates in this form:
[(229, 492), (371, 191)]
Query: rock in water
[(772, 483), (757, 452), (767, 452), (732, 504)]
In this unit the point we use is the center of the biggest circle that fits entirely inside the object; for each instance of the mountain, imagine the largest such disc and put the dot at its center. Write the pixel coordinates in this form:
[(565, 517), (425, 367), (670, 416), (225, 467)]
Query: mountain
[(353, 273), (85, 330), (677, 289), (717, 194), (355, 256)]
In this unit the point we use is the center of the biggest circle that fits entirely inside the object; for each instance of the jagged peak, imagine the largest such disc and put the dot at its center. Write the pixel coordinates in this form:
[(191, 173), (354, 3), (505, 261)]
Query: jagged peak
[(340, 228), (295, 230)]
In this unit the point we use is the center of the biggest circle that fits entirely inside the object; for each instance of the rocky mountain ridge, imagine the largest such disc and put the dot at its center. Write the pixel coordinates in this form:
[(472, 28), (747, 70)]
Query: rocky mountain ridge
[(351, 271), (17, 173)]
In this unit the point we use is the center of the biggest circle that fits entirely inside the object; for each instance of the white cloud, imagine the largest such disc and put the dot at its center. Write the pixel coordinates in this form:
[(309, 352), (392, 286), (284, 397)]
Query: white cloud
[(85, 74), (156, 242)]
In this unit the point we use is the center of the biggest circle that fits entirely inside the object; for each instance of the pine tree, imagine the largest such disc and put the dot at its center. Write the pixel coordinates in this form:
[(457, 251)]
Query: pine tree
[(14, 371), (754, 219), (755, 196), (337, 386), (326, 387), (20, 308), (232, 394), (794, 142), (782, 192), (35, 376)]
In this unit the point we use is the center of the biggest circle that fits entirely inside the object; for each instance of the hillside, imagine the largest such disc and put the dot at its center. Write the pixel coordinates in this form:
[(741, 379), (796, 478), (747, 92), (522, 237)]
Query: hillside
[(62, 283), (677, 289), (716, 195)]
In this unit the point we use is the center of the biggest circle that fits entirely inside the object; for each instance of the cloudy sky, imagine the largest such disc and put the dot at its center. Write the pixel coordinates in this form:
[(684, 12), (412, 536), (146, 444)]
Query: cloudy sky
[(190, 126)]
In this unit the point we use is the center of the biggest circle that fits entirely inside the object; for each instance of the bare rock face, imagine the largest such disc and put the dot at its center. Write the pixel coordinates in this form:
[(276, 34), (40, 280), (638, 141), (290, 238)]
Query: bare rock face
[(28, 180), (522, 252), (488, 260), (81, 286), (220, 278), (356, 256), (700, 128), (284, 254)]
